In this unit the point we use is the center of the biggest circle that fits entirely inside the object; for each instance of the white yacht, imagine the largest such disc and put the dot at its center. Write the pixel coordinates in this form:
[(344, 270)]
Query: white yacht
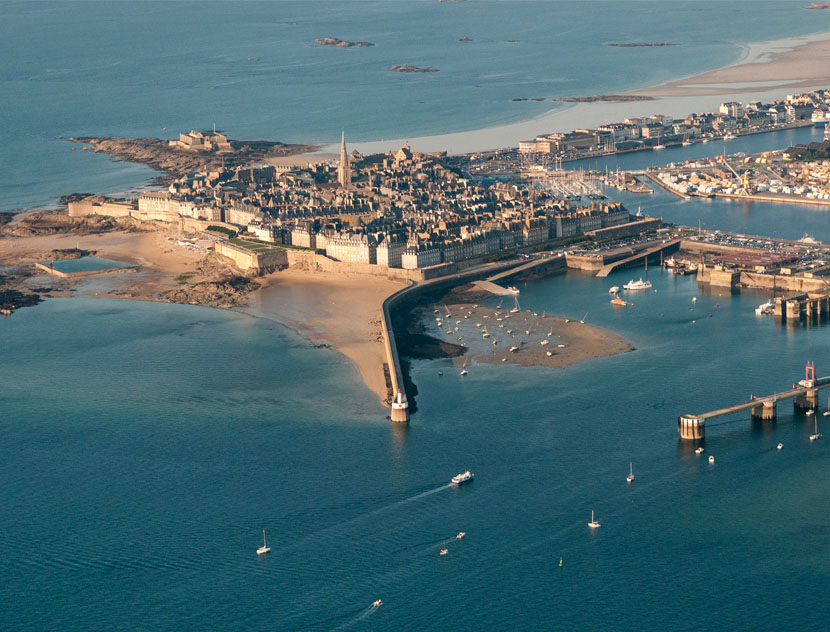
[(593, 524), (464, 477), (765, 308), (264, 548), (638, 285), (614, 289)]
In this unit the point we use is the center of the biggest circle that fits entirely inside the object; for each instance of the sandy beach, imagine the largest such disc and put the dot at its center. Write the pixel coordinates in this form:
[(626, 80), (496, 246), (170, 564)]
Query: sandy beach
[(764, 71), (342, 311)]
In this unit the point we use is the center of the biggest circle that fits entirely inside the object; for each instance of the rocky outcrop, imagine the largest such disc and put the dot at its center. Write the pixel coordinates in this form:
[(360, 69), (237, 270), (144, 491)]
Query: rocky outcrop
[(339, 43), (57, 223), (11, 300), (408, 68), (229, 292)]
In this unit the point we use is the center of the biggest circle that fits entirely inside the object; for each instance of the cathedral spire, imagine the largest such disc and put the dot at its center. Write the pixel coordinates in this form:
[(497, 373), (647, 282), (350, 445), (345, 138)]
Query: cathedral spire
[(344, 171)]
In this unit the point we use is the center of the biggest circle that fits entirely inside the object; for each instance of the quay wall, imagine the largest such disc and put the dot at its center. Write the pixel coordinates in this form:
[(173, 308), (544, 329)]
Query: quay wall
[(626, 230), (107, 208)]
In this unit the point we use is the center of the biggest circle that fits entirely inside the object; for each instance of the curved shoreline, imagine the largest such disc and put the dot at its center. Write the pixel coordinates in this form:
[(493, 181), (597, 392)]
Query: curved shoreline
[(669, 99)]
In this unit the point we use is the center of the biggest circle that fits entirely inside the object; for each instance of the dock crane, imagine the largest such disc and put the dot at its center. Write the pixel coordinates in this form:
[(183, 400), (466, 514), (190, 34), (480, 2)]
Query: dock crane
[(744, 179)]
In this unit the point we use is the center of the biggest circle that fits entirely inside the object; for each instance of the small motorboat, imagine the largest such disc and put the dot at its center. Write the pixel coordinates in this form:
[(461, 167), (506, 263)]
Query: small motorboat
[(549, 353), (614, 289), (593, 524), (545, 342), (376, 603), (780, 446), (443, 552), (810, 412), (699, 451), (440, 373), (460, 535), (711, 459)]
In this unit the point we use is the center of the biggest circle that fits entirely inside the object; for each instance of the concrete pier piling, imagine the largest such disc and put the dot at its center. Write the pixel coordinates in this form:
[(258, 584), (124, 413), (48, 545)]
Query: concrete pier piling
[(691, 427), (765, 411)]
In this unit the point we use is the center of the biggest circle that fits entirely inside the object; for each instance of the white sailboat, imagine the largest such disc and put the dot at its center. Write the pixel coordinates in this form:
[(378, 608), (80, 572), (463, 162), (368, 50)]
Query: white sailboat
[(264, 548), (816, 434), (464, 368), (593, 524), (630, 476)]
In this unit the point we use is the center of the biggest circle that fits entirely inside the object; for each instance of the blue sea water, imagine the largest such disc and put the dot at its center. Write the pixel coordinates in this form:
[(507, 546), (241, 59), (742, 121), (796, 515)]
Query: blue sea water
[(144, 446), (86, 68)]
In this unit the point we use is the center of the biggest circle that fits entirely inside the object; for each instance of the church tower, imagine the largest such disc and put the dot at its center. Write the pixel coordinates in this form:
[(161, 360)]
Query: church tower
[(344, 171)]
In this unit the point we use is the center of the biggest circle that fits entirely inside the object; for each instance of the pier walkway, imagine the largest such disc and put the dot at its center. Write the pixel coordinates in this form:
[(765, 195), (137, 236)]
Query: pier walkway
[(804, 395), (608, 268)]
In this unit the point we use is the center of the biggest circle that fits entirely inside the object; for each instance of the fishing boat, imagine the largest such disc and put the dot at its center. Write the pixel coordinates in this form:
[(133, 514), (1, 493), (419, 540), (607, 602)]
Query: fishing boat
[(264, 548), (614, 289), (593, 524), (638, 285), (630, 476), (618, 301), (464, 477)]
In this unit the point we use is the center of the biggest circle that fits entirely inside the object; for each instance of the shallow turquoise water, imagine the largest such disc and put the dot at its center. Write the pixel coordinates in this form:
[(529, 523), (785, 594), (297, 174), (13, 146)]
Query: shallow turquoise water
[(86, 264)]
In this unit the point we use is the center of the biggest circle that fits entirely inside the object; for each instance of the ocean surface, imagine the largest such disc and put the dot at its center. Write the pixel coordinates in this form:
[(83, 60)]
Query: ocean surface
[(145, 446), (85, 68)]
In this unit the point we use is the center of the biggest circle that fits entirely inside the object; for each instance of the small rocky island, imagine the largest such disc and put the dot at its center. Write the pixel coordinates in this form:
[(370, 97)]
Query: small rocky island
[(339, 43), (408, 68), (641, 44)]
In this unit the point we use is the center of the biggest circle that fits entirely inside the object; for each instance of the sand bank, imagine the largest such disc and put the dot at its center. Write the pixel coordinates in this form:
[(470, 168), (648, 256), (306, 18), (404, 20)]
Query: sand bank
[(764, 71), (338, 310), (536, 339)]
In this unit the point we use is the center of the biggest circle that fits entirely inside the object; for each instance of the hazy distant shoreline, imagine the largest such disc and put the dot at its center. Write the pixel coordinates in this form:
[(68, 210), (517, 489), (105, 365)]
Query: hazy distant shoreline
[(763, 71)]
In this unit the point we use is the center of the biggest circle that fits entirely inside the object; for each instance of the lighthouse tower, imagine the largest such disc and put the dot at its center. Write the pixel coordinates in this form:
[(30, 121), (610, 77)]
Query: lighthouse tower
[(344, 171)]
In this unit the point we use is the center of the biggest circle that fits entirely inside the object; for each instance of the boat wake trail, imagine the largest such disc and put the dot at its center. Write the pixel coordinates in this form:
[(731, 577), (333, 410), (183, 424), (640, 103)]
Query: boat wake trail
[(429, 492), (347, 620), (359, 616)]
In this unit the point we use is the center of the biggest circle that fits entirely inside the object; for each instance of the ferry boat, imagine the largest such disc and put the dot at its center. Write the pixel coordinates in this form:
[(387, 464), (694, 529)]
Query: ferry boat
[(820, 118), (618, 301), (464, 477), (638, 285)]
